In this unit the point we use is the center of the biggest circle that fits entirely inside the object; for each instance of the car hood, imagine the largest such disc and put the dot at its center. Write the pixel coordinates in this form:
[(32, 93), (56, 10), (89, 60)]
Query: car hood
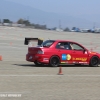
[(94, 53)]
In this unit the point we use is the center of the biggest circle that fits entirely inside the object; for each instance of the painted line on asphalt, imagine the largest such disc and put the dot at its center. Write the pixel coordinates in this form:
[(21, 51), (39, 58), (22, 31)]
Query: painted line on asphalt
[(14, 92), (12, 47), (8, 44), (49, 75), (10, 38)]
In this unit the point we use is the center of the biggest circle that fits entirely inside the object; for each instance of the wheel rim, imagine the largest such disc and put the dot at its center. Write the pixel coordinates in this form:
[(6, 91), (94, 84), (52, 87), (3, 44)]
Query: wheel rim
[(54, 61), (95, 61)]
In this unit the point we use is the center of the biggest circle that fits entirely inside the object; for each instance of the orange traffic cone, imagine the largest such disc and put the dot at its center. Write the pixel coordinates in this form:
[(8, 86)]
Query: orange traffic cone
[(20, 34), (0, 58), (60, 71), (10, 43)]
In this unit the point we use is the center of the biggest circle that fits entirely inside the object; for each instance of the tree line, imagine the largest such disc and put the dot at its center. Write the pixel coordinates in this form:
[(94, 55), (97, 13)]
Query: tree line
[(27, 23)]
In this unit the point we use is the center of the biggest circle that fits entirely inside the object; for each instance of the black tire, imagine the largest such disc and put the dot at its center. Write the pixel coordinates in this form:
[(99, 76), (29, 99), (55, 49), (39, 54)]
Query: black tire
[(94, 62), (37, 63), (54, 61)]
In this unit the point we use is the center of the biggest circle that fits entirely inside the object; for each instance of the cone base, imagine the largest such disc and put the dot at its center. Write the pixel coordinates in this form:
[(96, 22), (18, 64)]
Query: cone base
[(0, 58), (60, 71), (60, 74)]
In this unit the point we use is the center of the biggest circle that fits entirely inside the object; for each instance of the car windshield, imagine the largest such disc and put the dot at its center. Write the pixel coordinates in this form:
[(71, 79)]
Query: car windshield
[(47, 43)]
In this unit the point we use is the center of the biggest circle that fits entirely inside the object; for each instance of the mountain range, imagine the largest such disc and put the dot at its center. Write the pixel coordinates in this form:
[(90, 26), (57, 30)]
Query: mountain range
[(15, 11)]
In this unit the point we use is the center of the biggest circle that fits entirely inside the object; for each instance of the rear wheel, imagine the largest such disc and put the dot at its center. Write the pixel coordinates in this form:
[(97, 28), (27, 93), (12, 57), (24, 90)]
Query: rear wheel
[(37, 63), (94, 62), (54, 61)]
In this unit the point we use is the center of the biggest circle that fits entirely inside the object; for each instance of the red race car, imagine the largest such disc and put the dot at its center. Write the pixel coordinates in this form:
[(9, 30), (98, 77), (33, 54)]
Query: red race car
[(56, 52)]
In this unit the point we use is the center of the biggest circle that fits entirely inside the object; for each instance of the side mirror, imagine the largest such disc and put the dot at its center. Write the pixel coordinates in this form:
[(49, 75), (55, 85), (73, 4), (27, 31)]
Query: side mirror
[(85, 51)]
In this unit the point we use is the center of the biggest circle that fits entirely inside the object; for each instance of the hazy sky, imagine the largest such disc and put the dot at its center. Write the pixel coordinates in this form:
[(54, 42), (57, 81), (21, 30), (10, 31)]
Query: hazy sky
[(84, 9), (72, 7)]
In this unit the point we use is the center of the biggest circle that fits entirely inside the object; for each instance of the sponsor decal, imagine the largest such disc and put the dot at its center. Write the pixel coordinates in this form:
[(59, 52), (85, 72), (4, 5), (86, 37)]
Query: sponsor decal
[(45, 59), (70, 62), (93, 52), (66, 57), (83, 62), (74, 62), (63, 62), (82, 59)]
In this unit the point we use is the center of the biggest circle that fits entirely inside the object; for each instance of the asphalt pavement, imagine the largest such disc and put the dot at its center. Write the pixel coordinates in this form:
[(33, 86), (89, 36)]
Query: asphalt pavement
[(22, 80)]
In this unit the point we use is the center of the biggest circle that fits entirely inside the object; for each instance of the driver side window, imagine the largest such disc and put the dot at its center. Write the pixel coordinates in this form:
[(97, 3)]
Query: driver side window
[(63, 45)]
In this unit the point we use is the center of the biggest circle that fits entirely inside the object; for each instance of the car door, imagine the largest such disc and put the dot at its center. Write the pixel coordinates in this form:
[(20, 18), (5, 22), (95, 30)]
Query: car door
[(64, 52), (79, 54)]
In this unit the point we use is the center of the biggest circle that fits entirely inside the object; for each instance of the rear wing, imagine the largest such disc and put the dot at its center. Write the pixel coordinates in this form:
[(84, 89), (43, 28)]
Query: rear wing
[(28, 40)]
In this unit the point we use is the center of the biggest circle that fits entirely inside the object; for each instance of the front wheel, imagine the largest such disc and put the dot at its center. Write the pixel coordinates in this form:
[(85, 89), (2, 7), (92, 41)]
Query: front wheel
[(94, 62), (54, 61)]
